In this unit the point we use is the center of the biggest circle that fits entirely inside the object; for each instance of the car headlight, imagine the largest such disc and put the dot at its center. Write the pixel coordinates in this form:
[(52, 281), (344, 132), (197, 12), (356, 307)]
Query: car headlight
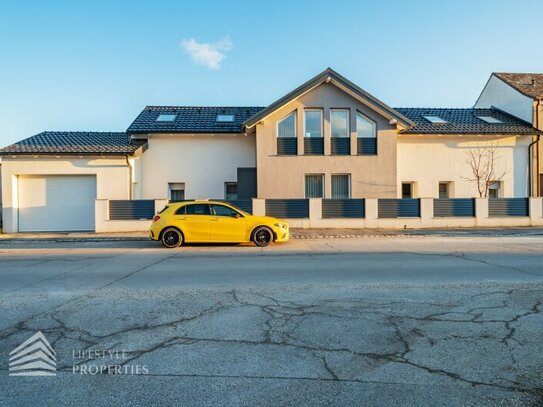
[(281, 225)]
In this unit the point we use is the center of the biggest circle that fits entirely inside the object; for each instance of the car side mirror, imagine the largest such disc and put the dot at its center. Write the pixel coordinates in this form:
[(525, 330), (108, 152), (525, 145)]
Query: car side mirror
[(236, 215)]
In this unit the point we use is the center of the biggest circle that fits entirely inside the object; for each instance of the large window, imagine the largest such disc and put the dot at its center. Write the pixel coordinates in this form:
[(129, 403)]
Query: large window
[(286, 136), (314, 186), (313, 137), (339, 120), (286, 128), (313, 123), (339, 123), (341, 188), (366, 132)]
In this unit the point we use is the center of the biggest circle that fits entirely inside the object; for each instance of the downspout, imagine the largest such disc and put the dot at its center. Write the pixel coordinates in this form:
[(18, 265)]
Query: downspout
[(129, 177), (537, 153)]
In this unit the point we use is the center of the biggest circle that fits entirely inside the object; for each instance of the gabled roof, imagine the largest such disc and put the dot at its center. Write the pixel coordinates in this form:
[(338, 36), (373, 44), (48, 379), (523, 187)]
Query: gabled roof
[(329, 75), (192, 119), (529, 84), (74, 142), (465, 121)]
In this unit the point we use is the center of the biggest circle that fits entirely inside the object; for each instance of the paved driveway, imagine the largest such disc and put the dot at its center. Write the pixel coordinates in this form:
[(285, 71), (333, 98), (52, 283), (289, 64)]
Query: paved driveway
[(367, 321)]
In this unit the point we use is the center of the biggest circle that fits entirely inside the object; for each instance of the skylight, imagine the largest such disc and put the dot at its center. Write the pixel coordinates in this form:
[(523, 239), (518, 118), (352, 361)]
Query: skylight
[(166, 117), (435, 119), (225, 118), (489, 119)]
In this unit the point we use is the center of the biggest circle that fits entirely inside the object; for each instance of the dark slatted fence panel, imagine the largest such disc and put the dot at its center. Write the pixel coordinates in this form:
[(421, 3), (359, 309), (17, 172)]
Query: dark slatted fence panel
[(399, 208), (287, 208), (498, 207), (454, 207), (131, 210), (341, 146), (313, 146), (343, 208)]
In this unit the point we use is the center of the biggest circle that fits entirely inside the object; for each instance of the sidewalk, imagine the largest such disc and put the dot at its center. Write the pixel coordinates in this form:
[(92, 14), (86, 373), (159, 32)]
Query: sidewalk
[(295, 234)]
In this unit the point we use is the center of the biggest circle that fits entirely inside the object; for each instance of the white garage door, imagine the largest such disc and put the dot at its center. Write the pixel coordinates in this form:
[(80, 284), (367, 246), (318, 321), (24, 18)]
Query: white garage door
[(49, 203)]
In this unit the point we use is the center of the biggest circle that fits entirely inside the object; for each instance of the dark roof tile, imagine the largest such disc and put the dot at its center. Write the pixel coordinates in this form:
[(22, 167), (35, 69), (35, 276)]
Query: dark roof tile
[(192, 119), (74, 142), (464, 121), (529, 84)]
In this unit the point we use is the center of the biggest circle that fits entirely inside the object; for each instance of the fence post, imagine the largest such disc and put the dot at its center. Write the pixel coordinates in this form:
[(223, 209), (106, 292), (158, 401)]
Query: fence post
[(426, 210), (259, 207), (315, 209), (481, 211), (536, 211)]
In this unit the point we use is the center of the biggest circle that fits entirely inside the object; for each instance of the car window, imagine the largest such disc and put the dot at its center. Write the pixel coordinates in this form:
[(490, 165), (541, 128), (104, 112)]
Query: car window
[(197, 209), (181, 211), (221, 210)]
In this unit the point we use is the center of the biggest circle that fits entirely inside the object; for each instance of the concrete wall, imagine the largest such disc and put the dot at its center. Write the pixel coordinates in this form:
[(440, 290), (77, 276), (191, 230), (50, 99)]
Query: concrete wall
[(426, 220), (112, 179), (283, 176), (499, 94), (428, 160), (203, 162)]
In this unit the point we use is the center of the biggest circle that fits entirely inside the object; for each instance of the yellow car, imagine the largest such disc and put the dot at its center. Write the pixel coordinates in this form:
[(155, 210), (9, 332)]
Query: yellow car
[(214, 222)]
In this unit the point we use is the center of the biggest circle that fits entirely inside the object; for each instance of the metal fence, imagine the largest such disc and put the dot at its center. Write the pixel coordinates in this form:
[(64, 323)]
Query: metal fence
[(131, 210), (498, 207), (340, 146), (366, 146), (243, 204), (287, 208), (454, 207), (343, 208), (313, 146), (287, 146), (398, 208)]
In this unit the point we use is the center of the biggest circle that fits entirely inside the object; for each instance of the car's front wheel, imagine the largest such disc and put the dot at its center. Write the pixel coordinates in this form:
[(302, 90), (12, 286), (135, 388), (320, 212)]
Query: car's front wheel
[(172, 238), (262, 236)]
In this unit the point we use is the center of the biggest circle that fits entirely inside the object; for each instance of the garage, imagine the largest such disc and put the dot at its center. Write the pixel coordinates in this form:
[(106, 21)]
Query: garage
[(56, 203)]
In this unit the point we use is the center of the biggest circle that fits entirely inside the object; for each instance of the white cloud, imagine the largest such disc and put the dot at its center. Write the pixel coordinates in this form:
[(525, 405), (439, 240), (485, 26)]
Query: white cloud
[(208, 54)]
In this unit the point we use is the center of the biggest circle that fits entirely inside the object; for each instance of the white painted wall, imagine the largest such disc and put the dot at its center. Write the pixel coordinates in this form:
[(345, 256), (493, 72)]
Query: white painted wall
[(428, 160), (203, 162), (499, 94), (112, 179)]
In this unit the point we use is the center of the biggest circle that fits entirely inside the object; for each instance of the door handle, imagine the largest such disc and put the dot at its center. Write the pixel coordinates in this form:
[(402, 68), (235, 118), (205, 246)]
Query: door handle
[(182, 218), (214, 219)]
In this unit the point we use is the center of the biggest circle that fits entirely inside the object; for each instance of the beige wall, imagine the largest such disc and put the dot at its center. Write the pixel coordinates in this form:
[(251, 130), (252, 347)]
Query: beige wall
[(428, 160), (203, 162), (283, 176), (112, 178)]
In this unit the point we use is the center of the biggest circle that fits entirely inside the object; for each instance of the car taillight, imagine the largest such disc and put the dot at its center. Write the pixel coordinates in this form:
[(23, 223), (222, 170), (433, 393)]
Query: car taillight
[(156, 218)]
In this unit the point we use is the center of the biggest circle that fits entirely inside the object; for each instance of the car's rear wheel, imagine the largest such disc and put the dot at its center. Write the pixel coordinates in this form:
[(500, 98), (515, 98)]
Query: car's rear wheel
[(171, 238), (262, 236)]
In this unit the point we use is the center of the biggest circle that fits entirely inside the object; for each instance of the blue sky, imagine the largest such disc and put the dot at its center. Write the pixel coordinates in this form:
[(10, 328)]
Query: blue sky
[(68, 65)]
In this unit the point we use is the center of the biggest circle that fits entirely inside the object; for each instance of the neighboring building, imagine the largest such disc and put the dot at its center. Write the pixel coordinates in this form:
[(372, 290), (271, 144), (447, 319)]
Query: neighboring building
[(327, 138), (520, 94)]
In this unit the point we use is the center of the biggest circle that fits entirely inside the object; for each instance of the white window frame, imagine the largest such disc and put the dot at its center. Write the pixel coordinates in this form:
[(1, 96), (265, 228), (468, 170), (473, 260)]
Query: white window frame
[(500, 189), (368, 119), (226, 184), (349, 194), (323, 177), (295, 125), (348, 122), (322, 119)]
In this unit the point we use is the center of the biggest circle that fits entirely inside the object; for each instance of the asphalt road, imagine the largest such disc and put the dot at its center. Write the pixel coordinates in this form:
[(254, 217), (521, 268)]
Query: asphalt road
[(364, 321)]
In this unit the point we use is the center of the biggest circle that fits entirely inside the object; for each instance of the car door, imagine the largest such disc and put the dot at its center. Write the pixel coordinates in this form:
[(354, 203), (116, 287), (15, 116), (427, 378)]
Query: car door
[(227, 225), (194, 221)]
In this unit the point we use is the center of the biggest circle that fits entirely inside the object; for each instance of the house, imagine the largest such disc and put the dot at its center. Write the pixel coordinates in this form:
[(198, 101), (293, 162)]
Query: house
[(328, 138), (521, 95)]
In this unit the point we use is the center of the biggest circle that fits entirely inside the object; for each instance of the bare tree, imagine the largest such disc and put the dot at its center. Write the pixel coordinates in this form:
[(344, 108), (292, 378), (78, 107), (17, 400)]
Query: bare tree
[(482, 162)]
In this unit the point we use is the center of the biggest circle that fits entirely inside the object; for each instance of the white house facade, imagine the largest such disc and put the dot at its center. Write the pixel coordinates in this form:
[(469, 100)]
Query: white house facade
[(326, 139)]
